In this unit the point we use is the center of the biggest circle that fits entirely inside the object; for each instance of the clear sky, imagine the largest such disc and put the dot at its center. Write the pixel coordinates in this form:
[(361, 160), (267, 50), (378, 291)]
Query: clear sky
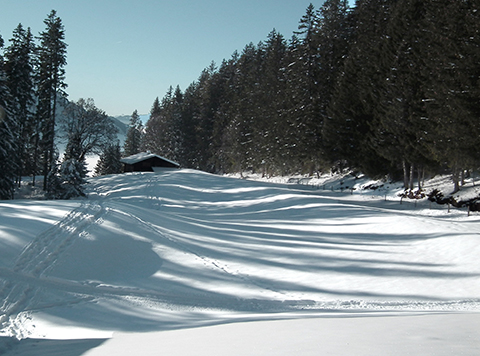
[(125, 53)]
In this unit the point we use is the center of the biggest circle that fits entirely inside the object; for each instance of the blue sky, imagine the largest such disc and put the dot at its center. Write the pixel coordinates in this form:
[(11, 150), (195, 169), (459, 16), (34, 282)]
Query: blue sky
[(124, 53)]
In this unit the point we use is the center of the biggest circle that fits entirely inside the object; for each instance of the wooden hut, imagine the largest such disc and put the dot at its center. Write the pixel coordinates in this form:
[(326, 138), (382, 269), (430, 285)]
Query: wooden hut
[(146, 162)]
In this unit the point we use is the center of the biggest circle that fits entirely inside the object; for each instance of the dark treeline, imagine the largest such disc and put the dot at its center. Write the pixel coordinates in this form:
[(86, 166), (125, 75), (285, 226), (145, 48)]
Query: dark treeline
[(387, 87), (32, 92), (31, 81)]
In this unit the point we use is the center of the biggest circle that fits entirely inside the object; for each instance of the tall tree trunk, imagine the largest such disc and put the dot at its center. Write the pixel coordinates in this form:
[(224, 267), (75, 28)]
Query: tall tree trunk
[(456, 180), (35, 158), (47, 153), (421, 177), (411, 177), (405, 175), (50, 149)]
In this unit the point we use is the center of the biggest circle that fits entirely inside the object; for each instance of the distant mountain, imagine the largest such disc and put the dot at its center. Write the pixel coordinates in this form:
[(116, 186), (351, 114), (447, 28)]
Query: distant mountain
[(121, 125), (122, 122), (125, 119)]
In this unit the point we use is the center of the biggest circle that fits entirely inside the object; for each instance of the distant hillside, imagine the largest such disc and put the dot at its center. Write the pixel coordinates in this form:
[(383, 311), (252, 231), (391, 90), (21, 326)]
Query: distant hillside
[(121, 125), (125, 119), (122, 122)]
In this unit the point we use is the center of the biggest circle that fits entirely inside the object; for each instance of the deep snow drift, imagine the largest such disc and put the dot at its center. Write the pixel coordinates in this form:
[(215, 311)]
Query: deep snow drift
[(162, 252)]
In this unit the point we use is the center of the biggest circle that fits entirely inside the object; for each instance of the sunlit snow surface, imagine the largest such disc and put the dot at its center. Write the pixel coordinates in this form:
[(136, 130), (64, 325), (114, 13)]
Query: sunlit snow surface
[(153, 252)]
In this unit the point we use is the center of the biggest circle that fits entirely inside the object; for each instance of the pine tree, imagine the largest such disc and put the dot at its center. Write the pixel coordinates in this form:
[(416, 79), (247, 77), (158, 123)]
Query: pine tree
[(19, 71), (54, 188), (205, 119), (294, 146), (50, 83), (4, 92), (109, 160), (153, 129), (162, 132), (67, 180), (271, 119), (188, 156), (133, 141), (7, 138), (245, 112), (452, 99), (221, 144), (334, 33), (306, 105), (156, 109), (72, 173), (354, 108), (399, 90), (175, 124)]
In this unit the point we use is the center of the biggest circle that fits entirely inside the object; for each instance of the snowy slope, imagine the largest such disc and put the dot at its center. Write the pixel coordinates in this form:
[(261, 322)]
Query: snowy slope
[(151, 254)]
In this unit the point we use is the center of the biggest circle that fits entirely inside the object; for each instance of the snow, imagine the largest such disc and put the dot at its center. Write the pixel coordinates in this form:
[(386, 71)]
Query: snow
[(342, 335), (185, 262)]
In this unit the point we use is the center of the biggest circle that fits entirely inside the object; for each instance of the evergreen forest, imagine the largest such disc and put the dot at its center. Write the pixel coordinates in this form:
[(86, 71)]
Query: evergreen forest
[(388, 87), (35, 115)]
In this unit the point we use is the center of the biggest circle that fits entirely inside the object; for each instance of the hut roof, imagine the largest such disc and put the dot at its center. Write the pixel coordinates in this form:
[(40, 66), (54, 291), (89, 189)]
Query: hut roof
[(143, 156)]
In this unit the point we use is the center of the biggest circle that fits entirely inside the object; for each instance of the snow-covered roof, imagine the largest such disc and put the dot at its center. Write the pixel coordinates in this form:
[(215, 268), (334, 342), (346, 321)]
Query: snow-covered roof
[(142, 156)]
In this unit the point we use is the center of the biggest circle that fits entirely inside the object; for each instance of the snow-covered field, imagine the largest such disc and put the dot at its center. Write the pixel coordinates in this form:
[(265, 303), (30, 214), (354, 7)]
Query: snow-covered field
[(181, 262)]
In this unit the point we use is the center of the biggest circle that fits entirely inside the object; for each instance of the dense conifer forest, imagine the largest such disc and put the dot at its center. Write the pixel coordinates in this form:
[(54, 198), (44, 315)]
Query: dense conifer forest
[(31, 85), (35, 115), (389, 87)]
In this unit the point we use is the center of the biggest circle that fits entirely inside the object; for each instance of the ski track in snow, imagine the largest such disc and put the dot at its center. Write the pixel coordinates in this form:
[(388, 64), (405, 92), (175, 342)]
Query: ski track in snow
[(285, 305), (156, 204), (34, 262), (215, 263), (21, 286)]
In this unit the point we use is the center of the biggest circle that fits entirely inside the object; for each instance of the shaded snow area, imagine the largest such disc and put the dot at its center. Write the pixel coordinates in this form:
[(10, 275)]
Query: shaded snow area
[(181, 262)]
